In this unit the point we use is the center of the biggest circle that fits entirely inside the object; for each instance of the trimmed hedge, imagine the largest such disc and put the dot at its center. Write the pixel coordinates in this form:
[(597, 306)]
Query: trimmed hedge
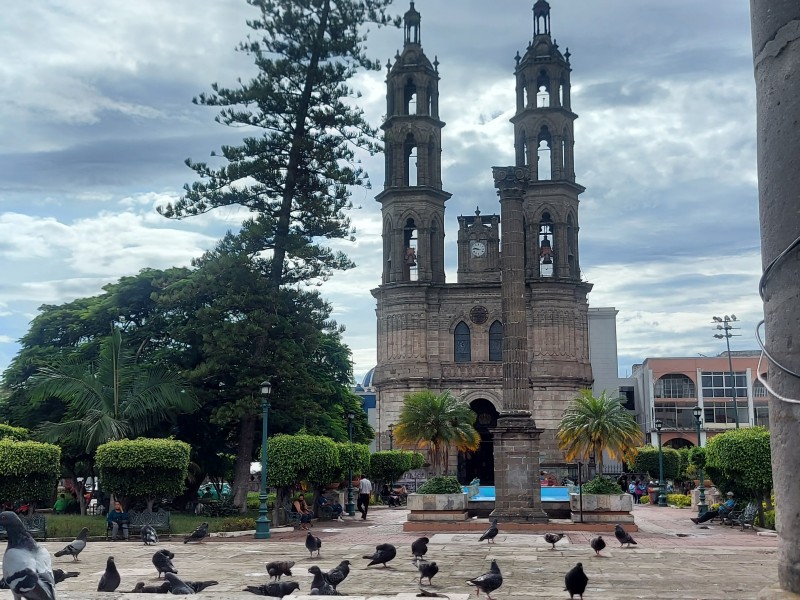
[(390, 465), (647, 462), (15, 433), (601, 485), (301, 457), (143, 468), (29, 471), (352, 456), (441, 484)]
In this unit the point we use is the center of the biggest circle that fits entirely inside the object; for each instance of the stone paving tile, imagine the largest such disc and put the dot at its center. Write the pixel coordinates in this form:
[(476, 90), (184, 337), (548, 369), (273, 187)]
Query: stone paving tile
[(673, 560)]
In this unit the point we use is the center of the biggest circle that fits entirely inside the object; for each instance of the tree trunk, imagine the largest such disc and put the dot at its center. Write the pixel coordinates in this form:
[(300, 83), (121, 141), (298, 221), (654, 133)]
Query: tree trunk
[(244, 456), (776, 56)]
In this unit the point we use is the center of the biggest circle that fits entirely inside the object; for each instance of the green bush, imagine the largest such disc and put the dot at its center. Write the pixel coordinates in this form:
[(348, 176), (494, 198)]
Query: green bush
[(417, 460), (697, 457), (679, 500), (29, 471), (769, 517), (390, 465), (644, 499), (647, 462), (143, 468), (353, 458), (237, 524), (739, 461), (601, 485), (441, 484), (302, 457), (15, 433)]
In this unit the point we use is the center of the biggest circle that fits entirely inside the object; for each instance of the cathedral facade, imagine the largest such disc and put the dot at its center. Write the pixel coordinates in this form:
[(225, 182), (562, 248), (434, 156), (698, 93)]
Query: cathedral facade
[(440, 335)]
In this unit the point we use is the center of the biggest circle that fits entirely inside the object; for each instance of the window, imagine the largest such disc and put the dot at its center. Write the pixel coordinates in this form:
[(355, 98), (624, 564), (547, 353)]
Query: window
[(718, 385), (762, 416), (675, 385), (496, 341), (462, 344), (675, 416), (722, 412)]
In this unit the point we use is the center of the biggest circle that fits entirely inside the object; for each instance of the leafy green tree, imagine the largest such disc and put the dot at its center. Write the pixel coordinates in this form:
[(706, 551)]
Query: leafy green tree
[(143, 468), (29, 471), (594, 424), (647, 462), (437, 421), (295, 177), (110, 399)]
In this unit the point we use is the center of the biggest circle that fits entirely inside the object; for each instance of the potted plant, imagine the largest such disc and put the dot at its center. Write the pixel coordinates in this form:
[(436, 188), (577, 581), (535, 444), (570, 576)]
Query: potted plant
[(601, 501), (439, 498)]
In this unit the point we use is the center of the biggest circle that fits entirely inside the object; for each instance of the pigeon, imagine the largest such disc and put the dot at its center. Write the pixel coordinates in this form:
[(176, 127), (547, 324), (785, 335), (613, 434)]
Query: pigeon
[(338, 573), (426, 569), (623, 536), (429, 594), (27, 569), (490, 533), (553, 538), (278, 589), (597, 544), (575, 581), (313, 544), (488, 582), (199, 586), (149, 535), (320, 583), (162, 561), (76, 546), (60, 575), (141, 588), (177, 586), (198, 534), (109, 580), (278, 568), (420, 547), (383, 554)]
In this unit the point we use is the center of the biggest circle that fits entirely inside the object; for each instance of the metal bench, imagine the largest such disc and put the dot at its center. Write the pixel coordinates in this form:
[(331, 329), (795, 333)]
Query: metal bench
[(744, 517), (289, 516), (35, 524), (159, 520)]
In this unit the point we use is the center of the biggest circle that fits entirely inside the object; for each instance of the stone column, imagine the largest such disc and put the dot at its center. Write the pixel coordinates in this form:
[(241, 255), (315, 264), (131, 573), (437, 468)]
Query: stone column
[(776, 59), (516, 437)]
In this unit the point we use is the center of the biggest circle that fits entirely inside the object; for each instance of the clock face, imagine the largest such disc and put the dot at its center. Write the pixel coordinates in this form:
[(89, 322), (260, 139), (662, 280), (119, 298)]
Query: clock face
[(478, 249)]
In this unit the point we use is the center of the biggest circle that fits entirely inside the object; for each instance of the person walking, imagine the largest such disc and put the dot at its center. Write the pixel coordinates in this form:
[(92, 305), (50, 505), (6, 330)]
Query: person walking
[(364, 491)]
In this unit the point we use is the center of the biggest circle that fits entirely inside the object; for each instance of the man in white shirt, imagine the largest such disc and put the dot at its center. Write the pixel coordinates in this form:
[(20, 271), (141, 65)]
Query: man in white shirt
[(364, 490)]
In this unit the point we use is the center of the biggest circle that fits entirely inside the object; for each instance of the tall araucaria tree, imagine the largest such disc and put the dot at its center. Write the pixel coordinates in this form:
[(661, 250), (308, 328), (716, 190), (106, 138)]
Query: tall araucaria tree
[(295, 177)]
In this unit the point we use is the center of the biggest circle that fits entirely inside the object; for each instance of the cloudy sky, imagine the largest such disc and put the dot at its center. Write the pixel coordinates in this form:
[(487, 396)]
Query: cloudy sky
[(97, 119)]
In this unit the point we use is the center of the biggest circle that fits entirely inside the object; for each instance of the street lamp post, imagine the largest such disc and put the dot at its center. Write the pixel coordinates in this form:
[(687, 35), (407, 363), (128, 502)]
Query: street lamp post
[(391, 436), (702, 507), (350, 507), (724, 325), (662, 498), (262, 522)]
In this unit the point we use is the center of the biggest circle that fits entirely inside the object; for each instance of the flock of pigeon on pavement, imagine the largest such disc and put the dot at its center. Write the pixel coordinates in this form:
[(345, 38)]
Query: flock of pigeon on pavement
[(28, 572)]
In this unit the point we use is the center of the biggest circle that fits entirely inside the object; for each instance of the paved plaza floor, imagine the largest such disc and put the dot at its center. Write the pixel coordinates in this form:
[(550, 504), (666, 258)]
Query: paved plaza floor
[(673, 559)]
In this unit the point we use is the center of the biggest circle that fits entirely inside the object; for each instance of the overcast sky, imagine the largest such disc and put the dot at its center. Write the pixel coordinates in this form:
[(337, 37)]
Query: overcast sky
[(97, 119)]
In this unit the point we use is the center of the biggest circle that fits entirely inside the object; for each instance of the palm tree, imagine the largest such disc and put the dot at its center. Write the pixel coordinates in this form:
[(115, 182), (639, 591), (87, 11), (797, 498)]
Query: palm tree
[(596, 424), (110, 399), (437, 422)]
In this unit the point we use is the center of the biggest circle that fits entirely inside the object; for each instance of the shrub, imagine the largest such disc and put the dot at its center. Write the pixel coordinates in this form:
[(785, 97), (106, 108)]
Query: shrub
[(15, 433), (679, 500), (740, 461), (647, 462), (697, 457), (441, 484), (302, 457), (601, 485), (390, 465), (237, 524), (644, 499), (352, 457), (143, 468), (769, 518), (29, 471)]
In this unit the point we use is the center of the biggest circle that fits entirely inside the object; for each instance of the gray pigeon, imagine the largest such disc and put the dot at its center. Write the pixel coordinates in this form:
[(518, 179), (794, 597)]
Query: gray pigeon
[(162, 561), (279, 568), (575, 581), (430, 594), (141, 588), (553, 538), (27, 569), (149, 535), (320, 583), (60, 575), (77, 545), (383, 554), (597, 544), (313, 544), (277, 589), (338, 573), (488, 582), (198, 534), (623, 536), (490, 533), (199, 586), (177, 586), (419, 547), (109, 580), (427, 569)]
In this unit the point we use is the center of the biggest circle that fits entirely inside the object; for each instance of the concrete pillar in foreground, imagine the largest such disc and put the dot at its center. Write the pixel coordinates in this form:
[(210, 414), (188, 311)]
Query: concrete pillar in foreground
[(776, 60)]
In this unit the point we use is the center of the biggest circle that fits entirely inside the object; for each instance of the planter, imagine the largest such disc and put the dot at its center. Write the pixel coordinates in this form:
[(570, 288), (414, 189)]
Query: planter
[(602, 508), (437, 507)]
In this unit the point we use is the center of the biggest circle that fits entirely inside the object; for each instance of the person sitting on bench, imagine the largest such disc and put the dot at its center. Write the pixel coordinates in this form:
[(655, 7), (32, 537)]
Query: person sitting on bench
[(724, 509)]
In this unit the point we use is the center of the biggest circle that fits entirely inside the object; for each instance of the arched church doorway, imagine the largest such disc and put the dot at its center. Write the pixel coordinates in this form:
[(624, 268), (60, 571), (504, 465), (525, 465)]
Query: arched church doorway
[(678, 443), (480, 463)]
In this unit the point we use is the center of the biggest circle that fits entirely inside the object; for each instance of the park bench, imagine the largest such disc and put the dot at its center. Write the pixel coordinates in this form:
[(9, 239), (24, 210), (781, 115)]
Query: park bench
[(745, 517), (35, 524), (158, 520), (289, 516)]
